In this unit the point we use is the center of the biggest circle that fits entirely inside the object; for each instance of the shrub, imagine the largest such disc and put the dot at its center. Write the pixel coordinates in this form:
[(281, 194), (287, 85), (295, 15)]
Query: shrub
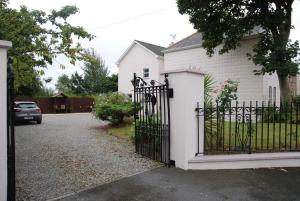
[(296, 101), (228, 94), (113, 107)]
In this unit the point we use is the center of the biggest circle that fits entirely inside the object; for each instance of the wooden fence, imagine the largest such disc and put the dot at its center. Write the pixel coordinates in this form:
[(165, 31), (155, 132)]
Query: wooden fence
[(52, 105)]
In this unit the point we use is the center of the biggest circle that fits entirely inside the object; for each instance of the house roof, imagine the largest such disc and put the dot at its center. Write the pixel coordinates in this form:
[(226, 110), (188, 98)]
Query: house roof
[(59, 94), (192, 40), (195, 41), (153, 49)]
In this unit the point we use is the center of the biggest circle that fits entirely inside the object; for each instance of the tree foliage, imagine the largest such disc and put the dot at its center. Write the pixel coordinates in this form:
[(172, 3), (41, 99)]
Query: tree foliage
[(63, 84), (95, 72), (224, 23), (37, 38), (94, 80)]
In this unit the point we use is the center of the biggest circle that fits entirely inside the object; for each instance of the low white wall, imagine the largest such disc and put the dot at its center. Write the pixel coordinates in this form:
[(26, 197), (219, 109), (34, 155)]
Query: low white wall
[(4, 45)]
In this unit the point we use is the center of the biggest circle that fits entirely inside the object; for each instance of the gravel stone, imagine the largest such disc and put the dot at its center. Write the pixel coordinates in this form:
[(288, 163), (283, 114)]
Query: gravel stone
[(68, 153)]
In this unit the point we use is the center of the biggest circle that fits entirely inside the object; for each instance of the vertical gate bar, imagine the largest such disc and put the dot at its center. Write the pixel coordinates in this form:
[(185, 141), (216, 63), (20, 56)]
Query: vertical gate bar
[(135, 112), (236, 124), (274, 128), (157, 123), (291, 125), (250, 131), (164, 124), (280, 113), (205, 141), (217, 140), (286, 121), (223, 132), (211, 127), (268, 128), (141, 120), (137, 137), (11, 183), (256, 111), (243, 126), (160, 121), (147, 144), (297, 120), (143, 124), (150, 123), (230, 126), (169, 122), (262, 126), (153, 123)]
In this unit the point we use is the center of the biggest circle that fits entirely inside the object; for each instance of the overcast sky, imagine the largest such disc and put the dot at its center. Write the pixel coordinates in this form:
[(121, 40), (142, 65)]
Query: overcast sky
[(150, 21)]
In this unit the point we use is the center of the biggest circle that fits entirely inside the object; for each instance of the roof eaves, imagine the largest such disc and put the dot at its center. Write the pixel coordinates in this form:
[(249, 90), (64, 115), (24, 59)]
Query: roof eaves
[(182, 48)]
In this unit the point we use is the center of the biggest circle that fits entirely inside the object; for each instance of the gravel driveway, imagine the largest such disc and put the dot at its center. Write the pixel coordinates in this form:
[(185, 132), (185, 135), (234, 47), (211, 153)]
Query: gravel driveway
[(68, 153)]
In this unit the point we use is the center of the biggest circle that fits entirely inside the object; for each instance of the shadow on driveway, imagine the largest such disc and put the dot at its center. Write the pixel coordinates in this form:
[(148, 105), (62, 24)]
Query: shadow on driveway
[(171, 184)]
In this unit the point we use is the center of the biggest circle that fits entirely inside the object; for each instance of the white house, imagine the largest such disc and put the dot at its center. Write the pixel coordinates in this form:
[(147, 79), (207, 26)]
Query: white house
[(142, 58), (149, 61), (234, 65)]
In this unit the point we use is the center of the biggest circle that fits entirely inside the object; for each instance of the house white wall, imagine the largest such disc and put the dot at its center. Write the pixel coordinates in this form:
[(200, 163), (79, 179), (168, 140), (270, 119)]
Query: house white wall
[(135, 61), (234, 65), (4, 45), (298, 85)]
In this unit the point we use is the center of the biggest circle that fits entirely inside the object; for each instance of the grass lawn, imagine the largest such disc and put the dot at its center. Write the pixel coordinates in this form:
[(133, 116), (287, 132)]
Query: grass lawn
[(125, 130), (263, 135)]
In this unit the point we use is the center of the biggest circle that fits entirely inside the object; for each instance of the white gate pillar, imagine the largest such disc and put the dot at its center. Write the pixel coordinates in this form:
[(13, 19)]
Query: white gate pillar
[(4, 45), (188, 88)]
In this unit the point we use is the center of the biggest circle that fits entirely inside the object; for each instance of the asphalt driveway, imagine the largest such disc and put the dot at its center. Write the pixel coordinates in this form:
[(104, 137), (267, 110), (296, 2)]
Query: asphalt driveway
[(68, 153), (171, 184)]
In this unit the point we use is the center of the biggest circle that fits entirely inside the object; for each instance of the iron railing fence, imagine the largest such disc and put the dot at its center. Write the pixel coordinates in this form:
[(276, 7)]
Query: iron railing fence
[(256, 127)]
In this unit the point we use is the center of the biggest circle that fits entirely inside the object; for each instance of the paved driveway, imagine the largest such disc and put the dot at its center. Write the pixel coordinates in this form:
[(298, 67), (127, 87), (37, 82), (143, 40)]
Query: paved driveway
[(172, 184), (68, 153)]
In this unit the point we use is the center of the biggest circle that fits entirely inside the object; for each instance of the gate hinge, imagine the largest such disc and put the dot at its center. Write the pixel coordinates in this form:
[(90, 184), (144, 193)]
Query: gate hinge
[(171, 93)]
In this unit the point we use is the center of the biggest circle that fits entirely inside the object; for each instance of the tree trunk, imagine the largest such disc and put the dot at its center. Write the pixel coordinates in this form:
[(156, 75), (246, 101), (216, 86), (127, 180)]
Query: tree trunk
[(285, 89)]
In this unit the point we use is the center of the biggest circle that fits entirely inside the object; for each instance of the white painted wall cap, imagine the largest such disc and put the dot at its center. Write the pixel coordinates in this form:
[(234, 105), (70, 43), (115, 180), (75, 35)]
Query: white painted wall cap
[(5, 44)]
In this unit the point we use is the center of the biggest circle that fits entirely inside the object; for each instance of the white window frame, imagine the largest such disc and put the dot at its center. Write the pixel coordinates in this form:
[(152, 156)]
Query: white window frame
[(146, 73), (274, 94), (270, 94)]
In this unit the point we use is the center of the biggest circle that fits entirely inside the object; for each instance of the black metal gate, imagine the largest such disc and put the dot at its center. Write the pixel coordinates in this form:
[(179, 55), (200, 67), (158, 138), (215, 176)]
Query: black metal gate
[(10, 135), (152, 118)]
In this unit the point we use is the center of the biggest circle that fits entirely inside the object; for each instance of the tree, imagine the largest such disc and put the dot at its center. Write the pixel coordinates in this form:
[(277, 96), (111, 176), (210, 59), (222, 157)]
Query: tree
[(95, 72), (78, 84), (63, 84), (38, 38), (111, 83), (94, 80), (226, 22)]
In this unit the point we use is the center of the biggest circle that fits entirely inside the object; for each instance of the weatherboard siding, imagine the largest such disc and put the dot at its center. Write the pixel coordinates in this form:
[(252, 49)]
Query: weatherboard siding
[(233, 65)]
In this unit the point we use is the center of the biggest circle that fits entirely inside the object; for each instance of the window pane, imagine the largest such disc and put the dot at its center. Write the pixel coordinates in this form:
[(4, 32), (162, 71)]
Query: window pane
[(274, 94), (270, 94), (146, 72), (26, 105)]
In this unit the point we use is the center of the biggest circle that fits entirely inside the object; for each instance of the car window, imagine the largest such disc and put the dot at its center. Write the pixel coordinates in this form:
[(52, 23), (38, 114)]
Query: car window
[(26, 105)]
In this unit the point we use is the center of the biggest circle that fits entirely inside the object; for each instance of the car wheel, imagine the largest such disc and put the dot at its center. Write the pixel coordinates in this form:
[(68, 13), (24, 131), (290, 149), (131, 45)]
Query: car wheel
[(39, 121)]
